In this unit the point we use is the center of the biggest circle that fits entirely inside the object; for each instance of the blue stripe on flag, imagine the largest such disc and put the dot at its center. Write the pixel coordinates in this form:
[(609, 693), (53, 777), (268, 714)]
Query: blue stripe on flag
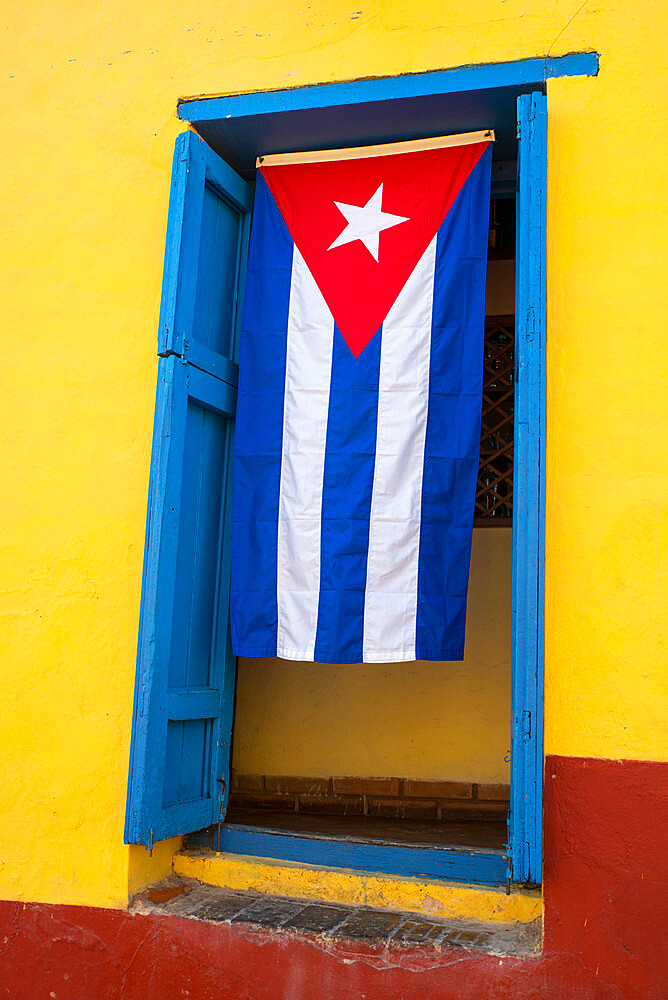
[(259, 430), (453, 426), (346, 501)]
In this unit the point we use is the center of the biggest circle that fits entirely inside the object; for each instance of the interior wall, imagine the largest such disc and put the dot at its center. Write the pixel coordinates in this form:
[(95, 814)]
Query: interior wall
[(446, 720), (410, 720)]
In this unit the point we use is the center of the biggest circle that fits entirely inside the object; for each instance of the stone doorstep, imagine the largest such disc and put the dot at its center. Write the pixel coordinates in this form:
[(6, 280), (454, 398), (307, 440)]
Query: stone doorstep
[(382, 928), (424, 897)]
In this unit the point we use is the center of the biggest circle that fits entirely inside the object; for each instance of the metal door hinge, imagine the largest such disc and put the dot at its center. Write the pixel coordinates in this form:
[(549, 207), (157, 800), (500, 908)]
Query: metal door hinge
[(509, 872), (221, 808)]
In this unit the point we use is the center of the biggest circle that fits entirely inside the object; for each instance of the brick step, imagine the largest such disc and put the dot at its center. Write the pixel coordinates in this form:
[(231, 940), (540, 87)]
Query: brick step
[(392, 798)]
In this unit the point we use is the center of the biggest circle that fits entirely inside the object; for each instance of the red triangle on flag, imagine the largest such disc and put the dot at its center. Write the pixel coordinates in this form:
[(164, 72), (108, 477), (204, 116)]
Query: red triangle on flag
[(362, 224)]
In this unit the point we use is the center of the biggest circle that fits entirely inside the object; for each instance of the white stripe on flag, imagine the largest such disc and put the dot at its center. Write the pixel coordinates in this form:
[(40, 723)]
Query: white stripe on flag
[(390, 607), (308, 369)]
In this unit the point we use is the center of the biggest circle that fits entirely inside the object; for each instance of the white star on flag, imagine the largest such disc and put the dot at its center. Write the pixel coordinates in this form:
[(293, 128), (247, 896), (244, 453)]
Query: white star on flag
[(366, 223)]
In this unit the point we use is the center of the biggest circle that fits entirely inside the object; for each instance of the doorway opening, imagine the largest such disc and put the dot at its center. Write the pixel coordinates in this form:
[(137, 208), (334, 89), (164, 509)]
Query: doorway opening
[(179, 775), (412, 754)]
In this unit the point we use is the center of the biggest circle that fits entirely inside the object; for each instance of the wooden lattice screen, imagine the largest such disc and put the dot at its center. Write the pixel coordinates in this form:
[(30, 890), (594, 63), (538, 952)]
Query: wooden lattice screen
[(494, 494)]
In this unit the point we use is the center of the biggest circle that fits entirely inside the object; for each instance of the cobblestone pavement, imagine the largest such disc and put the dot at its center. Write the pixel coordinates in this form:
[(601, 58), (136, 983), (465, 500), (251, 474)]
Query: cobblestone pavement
[(384, 928)]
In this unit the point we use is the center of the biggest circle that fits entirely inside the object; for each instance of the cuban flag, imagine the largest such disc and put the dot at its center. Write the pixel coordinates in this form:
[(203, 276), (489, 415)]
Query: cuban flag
[(360, 394)]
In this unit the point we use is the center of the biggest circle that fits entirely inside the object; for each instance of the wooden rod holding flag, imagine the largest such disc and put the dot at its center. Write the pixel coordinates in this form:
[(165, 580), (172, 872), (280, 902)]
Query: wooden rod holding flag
[(385, 149)]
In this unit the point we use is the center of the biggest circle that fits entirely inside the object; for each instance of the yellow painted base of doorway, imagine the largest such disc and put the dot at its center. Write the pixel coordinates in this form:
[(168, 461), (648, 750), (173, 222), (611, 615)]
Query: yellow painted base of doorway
[(447, 900)]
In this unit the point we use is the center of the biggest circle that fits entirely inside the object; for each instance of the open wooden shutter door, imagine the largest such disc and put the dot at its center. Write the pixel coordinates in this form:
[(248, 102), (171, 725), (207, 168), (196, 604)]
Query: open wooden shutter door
[(179, 761)]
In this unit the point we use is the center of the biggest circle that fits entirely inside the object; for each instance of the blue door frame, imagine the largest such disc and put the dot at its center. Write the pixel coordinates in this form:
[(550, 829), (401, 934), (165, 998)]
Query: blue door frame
[(260, 116), (525, 824)]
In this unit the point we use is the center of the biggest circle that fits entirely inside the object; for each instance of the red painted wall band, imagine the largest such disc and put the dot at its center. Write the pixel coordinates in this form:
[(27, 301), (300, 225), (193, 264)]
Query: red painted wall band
[(606, 892)]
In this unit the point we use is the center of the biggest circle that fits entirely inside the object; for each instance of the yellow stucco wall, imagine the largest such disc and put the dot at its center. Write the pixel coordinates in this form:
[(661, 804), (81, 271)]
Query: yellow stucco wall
[(89, 93)]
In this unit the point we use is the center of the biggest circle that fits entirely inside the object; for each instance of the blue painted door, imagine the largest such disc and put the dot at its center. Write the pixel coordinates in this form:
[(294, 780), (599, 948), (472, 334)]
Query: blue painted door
[(179, 761), (526, 779)]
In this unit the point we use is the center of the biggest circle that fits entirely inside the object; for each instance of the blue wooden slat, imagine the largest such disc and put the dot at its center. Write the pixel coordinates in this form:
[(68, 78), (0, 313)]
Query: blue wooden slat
[(156, 615), (196, 559), (195, 771), (173, 242), (175, 765), (486, 867), (216, 364), (213, 321), (205, 232), (184, 221), (203, 590), (211, 392), (194, 703), (244, 242), (222, 641), (226, 181), (171, 792), (187, 547), (525, 825), (450, 81), (189, 762), (207, 318)]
